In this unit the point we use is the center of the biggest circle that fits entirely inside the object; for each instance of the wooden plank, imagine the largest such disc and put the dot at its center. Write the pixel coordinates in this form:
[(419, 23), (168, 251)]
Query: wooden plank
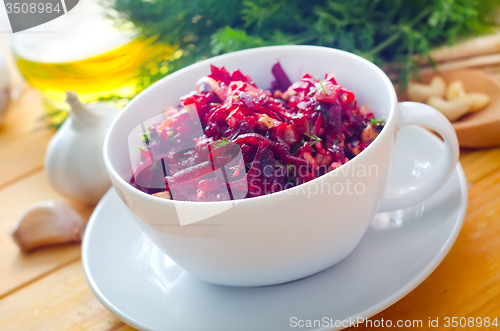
[(61, 301), (18, 269), (478, 164), (46, 290), (23, 138), (467, 283)]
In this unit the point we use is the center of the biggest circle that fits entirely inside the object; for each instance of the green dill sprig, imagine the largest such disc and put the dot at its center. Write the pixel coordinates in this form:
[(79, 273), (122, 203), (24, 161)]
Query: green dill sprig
[(153, 166), (221, 143), (314, 139), (231, 113), (374, 122), (384, 31), (147, 140), (324, 89), (146, 136)]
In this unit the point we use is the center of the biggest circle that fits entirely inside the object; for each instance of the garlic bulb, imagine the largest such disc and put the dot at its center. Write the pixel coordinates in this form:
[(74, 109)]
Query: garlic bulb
[(5, 76), (47, 223), (5, 82), (74, 162), (4, 101)]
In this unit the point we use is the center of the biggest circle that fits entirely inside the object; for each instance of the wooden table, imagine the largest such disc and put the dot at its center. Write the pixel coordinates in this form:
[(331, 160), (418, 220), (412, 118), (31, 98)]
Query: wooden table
[(47, 290)]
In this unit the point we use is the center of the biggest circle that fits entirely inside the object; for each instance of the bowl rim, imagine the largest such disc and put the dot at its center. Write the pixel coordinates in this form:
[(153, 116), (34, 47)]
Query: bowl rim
[(390, 123)]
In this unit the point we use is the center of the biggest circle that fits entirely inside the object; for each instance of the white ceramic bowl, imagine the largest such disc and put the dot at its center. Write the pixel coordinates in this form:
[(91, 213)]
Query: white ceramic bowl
[(291, 234)]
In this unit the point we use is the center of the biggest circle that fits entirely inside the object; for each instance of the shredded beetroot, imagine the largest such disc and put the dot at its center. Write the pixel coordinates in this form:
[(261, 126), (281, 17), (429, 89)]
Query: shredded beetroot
[(231, 140), (281, 82)]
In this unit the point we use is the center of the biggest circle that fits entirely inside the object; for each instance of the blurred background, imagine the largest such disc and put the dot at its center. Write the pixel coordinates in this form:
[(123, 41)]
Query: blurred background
[(111, 50)]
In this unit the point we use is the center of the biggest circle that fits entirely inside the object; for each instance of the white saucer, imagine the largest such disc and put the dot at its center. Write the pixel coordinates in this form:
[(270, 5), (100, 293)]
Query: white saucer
[(148, 291)]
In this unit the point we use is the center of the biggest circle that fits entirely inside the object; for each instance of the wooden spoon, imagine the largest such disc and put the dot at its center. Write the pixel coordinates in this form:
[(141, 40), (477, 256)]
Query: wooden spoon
[(481, 128)]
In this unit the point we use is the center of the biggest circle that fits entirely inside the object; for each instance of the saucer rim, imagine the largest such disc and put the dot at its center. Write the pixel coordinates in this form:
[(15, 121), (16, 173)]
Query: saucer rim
[(429, 269), (367, 313)]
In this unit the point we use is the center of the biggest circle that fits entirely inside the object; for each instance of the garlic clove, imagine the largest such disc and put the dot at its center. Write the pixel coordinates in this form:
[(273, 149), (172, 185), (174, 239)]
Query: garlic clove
[(478, 100), (438, 86), (455, 90), (48, 223), (422, 92), (451, 109)]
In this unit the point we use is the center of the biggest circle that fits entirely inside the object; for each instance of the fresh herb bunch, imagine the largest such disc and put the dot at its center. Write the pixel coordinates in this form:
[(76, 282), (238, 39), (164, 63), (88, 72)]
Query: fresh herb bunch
[(383, 31)]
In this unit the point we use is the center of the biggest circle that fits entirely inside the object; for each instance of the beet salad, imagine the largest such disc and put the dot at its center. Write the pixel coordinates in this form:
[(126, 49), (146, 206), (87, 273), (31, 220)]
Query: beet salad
[(230, 140)]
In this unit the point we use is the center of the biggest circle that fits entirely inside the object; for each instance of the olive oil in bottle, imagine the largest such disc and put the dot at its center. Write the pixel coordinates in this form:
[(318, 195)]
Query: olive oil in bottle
[(84, 51)]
